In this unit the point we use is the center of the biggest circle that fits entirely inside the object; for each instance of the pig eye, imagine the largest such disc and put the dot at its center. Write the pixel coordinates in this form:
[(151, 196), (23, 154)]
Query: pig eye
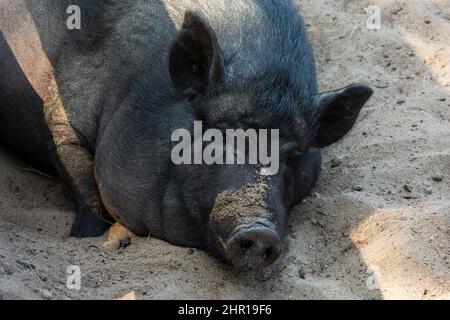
[(289, 147), (294, 154)]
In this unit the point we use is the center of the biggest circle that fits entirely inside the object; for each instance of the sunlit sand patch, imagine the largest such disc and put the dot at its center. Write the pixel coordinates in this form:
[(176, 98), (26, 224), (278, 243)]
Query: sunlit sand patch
[(435, 55), (405, 249), (28, 51), (129, 296), (35, 65)]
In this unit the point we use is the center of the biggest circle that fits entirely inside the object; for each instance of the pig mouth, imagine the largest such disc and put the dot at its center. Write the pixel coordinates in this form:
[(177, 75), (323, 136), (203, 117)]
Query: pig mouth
[(253, 246)]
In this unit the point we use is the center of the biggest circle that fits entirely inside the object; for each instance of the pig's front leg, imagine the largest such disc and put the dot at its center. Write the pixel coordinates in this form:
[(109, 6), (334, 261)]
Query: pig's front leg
[(74, 164)]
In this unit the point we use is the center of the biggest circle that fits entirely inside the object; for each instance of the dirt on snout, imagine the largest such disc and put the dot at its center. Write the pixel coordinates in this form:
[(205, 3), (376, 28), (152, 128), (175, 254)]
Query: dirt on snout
[(377, 226), (239, 206)]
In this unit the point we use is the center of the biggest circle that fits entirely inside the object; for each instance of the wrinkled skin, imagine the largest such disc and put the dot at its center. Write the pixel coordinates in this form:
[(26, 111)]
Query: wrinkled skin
[(99, 105)]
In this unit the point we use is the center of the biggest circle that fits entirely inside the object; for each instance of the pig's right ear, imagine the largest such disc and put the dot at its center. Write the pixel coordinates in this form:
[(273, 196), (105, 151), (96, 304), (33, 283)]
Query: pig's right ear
[(336, 112), (196, 63)]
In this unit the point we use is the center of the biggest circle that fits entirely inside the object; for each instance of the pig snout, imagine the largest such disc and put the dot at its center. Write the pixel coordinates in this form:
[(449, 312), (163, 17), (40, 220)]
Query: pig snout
[(246, 226), (254, 245)]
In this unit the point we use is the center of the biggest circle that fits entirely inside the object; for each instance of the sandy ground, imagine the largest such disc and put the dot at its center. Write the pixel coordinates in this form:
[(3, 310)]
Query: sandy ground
[(377, 226)]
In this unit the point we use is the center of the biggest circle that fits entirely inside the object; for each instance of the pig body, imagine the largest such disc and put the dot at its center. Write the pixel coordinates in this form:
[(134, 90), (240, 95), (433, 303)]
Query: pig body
[(99, 105)]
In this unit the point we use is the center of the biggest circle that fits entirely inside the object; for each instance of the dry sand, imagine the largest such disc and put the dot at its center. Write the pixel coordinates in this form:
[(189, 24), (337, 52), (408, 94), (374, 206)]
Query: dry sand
[(376, 226)]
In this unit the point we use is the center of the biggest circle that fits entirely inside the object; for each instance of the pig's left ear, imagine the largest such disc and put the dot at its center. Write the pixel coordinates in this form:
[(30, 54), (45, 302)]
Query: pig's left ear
[(195, 63), (336, 113)]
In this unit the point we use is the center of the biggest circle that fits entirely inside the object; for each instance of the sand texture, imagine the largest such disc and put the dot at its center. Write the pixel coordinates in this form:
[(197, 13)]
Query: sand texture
[(377, 225)]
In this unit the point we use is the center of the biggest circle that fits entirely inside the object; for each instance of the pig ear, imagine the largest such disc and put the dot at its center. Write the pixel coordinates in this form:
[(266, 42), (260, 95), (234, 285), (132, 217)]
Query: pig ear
[(336, 113), (195, 61)]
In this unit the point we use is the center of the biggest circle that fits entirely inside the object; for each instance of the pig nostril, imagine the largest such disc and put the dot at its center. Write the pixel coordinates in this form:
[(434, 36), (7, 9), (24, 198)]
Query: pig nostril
[(269, 252), (270, 255), (246, 244)]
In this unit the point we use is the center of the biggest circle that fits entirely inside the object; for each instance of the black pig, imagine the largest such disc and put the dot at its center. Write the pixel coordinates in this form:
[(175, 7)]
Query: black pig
[(99, 104)]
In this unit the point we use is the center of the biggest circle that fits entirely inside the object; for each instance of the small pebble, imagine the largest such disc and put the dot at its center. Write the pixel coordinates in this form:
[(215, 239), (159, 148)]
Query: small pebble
[(396, 10), (46, 294), (437, 178), (357, 188), (301, 274), (335, 162)]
